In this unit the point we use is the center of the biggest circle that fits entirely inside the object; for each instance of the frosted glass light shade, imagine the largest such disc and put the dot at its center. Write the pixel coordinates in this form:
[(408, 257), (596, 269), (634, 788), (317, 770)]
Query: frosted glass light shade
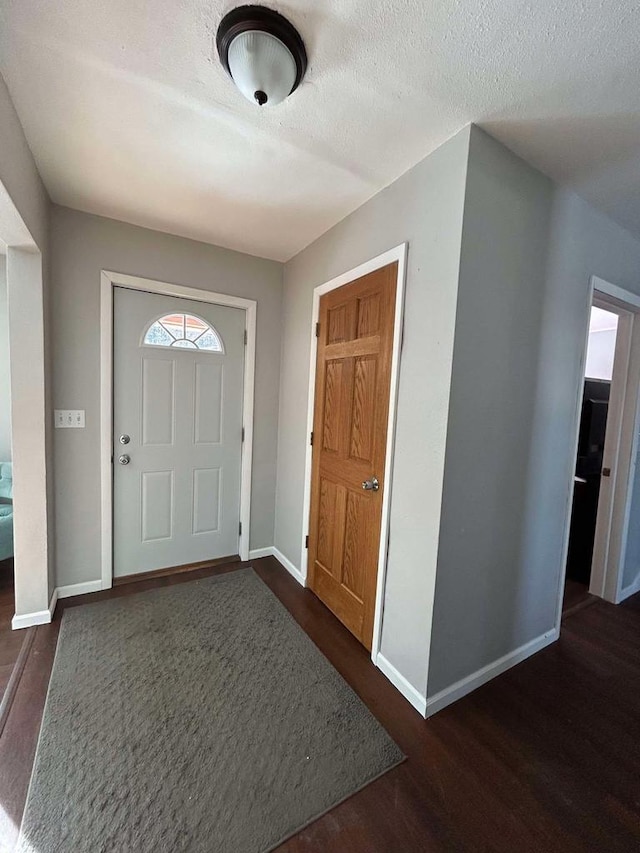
[(262, 52), (261, 63)]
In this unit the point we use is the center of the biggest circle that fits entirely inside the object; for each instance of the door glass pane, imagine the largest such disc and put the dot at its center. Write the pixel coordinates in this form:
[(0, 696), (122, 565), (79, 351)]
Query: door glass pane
[(185, 331)]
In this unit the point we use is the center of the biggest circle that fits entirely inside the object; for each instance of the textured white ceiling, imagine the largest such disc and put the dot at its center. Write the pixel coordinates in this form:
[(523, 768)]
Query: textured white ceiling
[(130, 115)]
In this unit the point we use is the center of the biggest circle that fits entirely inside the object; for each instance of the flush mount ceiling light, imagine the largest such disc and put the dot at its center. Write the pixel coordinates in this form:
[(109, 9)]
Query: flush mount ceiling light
[(262, 52)]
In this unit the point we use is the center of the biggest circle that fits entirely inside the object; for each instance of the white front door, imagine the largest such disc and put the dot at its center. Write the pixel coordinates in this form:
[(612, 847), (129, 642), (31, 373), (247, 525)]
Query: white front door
[(178, 371)]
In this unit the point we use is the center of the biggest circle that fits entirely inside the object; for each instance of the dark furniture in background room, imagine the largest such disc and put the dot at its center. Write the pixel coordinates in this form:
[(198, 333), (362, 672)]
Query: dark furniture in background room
[(593, 423)]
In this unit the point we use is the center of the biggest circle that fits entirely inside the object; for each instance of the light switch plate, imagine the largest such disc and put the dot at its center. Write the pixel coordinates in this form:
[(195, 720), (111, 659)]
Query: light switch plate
[(69, 418)]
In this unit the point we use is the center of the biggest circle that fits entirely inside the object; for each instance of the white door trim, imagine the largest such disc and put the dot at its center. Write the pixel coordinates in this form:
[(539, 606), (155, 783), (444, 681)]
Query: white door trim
[(608, 289), (613, 489), (109, 280), (399, 255)]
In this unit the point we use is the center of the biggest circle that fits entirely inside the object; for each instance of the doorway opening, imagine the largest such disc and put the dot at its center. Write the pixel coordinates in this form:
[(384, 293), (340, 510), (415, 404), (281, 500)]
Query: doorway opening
[(589, 470), (603, 555), (27, 596), (353, 377), (176, 450), (11, 641), (353, 384)]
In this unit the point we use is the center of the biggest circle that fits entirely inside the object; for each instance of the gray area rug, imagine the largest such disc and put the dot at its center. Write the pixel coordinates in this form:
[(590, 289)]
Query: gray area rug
[(196, 717)]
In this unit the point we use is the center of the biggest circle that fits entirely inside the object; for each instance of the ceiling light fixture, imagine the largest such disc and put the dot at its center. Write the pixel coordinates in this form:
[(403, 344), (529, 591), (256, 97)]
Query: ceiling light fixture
[(262, 53)]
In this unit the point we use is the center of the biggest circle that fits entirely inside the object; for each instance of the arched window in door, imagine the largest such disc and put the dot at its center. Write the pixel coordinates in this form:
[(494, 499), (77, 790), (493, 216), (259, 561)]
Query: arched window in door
[(185, 331)]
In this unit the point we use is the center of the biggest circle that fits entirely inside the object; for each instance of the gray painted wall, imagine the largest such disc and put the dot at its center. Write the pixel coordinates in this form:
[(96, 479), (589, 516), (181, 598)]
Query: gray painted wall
[(489, 598), (527, 250), (631, 564), (514, 402), (82, 245), (19, 175), (424, 207), (5, 382), (32, 432)]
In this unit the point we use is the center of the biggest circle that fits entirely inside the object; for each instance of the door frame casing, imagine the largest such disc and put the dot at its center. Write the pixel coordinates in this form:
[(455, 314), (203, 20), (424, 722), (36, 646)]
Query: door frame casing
[(610, 539), (606, 569), (609, 576), (396, 255), (108, 281)]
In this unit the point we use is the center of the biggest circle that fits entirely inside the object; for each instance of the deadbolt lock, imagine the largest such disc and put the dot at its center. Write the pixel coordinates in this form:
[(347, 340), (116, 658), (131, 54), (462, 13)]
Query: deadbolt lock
[(371, 485)]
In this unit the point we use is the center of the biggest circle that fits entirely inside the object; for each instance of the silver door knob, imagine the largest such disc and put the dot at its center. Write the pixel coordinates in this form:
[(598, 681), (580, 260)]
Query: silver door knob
[(124, 439), (124, 459), (371, 485)]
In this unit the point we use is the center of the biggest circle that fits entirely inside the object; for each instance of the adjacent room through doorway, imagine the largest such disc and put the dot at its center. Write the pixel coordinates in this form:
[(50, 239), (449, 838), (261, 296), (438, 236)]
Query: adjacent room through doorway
[(598, 375), (10, 643), (603, 556)]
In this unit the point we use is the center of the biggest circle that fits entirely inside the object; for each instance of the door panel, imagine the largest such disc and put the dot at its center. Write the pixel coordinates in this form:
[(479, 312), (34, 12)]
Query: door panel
[(156, 501), (334, 384), (327, 537), (362, 423), (368, 315), (357, 521), (353, 374), (206, 500), (178, 499), (158, 399), (208, 403)]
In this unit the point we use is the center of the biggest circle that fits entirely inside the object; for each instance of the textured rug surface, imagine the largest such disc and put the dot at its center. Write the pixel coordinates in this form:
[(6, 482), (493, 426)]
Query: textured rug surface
[(196, 717)]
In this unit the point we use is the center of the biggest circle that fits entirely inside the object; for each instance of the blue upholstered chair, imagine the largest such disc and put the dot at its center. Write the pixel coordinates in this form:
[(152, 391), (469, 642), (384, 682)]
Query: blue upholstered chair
[(6, 510)]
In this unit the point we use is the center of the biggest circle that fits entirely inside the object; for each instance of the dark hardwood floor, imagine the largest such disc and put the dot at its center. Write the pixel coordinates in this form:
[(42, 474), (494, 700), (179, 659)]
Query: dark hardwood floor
[(576, 595), (10, 641), (544, 758), (13, 644)]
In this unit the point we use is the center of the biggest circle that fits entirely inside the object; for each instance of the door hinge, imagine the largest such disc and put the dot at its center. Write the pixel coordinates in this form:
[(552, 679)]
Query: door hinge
[(317, 330), (306, 541), (246, 338), (243, 433), (240, 528), (311, 439)]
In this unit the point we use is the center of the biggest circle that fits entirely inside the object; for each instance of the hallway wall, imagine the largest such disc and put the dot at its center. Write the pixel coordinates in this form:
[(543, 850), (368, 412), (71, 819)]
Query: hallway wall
[(82, 245), (529, 249), (424, 208), (5, 379), (25, 214)]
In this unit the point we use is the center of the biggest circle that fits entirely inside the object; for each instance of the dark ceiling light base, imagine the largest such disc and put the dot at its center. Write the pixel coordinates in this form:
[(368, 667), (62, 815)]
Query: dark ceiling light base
[(246, 19)]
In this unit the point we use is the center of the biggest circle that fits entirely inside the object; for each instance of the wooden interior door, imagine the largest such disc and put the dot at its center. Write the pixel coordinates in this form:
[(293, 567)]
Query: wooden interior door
[(353, 374)]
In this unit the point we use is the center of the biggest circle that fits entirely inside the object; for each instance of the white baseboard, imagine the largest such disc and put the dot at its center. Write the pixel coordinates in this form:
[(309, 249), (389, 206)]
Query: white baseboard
[(257, 553), (79, 588), (400, 683), (39, 617), (297, 574), (272, 551), (27, 620), (476, 679)]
